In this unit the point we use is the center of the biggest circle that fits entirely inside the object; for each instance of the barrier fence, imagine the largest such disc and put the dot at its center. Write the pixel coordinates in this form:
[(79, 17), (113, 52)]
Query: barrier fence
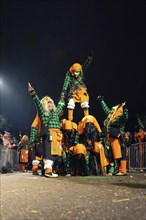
[(137, 157), (9, 158)]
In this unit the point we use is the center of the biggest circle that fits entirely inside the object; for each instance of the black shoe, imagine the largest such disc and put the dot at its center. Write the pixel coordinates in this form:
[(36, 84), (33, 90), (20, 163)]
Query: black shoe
[(51, 175), (4, 170), (35, 173)]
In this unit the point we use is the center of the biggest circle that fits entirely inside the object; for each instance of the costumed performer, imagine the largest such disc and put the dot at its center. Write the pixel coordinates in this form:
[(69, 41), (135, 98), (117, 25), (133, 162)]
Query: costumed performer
[(77, 92), (114, 124), (50, 129)]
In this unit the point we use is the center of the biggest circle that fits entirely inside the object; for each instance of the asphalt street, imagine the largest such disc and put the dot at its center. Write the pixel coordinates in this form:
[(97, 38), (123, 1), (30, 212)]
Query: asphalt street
[(24, 196)]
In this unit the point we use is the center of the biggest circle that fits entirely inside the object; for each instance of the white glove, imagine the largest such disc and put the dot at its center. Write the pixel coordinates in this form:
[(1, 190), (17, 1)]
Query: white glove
[(71, 104), (85, 105)]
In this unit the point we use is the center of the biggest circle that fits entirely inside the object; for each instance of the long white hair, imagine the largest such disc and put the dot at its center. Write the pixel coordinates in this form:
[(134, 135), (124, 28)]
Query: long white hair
[(44, 102)]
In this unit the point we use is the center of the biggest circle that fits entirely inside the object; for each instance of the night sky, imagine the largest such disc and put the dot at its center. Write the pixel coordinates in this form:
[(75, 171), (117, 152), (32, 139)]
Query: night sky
[(40, 40)]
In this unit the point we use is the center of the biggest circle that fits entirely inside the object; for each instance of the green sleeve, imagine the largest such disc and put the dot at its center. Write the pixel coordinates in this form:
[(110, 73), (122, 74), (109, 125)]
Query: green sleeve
[(87, 63), (139, 123), (60, 106), (66, 82), (76, 138), (121, 120), (105, 107), (34, 134)]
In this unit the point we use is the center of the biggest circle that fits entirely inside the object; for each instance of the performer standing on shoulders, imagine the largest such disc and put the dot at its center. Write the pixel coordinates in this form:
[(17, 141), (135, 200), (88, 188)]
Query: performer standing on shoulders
[(77, 89)]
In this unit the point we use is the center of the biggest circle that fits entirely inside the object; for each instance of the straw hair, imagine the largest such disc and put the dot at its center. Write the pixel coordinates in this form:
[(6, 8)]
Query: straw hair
[(45, 100)]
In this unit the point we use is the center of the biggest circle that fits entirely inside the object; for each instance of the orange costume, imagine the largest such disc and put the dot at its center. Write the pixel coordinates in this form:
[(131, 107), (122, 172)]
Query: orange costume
[(140, 138), (115, 124), (77, 89), (93, 138), (23, 148)]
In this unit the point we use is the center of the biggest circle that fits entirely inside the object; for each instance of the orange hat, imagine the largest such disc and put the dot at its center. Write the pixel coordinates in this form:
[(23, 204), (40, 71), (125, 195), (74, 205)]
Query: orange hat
[(76, 67), (74, 126), (116, 111), (79, 149), (86, 119), (68, 125), (89, 118)]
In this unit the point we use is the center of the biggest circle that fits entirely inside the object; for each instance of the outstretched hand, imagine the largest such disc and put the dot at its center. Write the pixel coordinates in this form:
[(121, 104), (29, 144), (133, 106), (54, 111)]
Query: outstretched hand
[(123, 104), (100, 98), (63, 95), (31, 89)]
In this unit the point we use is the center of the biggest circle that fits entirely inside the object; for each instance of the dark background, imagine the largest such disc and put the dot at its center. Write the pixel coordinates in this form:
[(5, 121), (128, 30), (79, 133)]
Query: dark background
[(40, 40)]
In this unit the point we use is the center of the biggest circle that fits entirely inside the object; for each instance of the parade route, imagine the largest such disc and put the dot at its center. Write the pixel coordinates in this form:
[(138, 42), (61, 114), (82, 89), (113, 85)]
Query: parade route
[(24, 196)]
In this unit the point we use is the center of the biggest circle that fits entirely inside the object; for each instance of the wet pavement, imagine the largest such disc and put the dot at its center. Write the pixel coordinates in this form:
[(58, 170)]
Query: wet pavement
[(24, 196)]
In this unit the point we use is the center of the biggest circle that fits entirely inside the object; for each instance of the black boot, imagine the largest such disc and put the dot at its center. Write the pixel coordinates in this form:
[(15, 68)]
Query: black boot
[(116, 164)]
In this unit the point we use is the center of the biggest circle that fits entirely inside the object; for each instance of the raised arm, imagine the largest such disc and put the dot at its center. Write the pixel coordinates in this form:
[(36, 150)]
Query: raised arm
[(104, 106), (37, 103), (87, 62), (66, 83)]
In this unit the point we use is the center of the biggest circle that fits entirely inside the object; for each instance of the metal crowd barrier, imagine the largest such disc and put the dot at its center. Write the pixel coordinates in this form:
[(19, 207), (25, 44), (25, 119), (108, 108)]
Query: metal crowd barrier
[(137, 157), (9, 158)]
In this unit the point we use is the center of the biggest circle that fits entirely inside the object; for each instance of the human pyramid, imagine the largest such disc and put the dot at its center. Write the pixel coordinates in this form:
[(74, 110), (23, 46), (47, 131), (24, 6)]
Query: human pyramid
[(63, 147)]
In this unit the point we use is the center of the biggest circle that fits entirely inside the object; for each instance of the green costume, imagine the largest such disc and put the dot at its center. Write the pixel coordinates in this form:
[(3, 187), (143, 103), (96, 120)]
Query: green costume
[(49, 123), (114, 126), (75, 87)]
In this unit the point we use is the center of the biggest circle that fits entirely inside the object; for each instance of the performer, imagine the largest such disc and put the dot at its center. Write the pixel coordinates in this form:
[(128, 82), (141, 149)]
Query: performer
[(80, 165), (140, 134), (50, 129), (140, 137), (75, 153), (36, 143), (91, 136), (77, 89), (115, 124), (70, 139), (23, 148)]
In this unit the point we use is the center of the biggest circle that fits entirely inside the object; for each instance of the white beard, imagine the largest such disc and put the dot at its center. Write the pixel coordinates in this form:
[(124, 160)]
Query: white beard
[(46, 109)]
